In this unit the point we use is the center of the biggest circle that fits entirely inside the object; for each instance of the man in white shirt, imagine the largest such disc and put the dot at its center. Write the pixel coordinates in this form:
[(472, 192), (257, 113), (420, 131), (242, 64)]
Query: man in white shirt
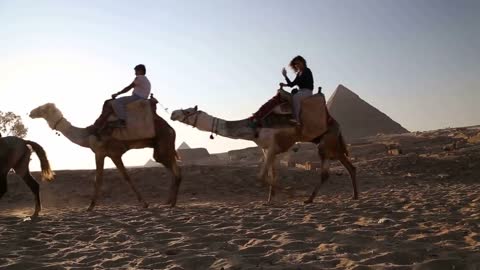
[(141, 89)]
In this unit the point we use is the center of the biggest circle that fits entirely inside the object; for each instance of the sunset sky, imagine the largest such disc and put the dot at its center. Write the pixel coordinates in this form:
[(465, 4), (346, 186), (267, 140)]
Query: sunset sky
[(417, 61)]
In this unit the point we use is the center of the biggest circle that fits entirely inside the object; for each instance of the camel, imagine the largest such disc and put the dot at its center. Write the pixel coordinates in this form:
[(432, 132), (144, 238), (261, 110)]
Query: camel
[(274, 141), (106, 146), (15, 154)]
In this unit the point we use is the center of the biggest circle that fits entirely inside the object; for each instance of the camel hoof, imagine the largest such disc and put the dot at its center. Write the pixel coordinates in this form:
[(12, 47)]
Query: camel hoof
[(145, 205), (355, 197), (309, 201), (90, 208)]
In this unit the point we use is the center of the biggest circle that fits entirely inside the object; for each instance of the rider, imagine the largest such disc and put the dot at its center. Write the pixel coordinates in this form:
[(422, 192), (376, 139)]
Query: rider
[(141, 89), (304, 81)]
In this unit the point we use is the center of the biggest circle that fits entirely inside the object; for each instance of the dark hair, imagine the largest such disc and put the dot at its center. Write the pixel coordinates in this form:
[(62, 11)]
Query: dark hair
[(295, 59), (141, 68)]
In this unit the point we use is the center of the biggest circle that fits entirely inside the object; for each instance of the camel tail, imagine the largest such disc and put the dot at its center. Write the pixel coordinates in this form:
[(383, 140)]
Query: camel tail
[(47, 173), (343, 145)]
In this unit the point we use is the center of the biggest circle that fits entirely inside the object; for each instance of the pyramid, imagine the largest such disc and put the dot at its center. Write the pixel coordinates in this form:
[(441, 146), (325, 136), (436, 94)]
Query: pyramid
[(357, 118), (152, 163), (183, 146)]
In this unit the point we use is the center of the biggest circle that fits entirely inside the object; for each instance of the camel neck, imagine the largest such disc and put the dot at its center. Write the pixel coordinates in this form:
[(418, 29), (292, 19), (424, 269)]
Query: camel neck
[(229, 129), (76, 135)]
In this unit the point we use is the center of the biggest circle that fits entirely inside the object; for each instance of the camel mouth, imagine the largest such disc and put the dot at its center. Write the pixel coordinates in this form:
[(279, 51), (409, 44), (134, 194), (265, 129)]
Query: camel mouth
[(33, 114), (174, 116)]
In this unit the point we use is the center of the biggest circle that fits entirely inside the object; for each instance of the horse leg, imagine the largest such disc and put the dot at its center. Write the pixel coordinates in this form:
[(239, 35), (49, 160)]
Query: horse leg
[(119, 164), (21, 169), (324, 177), (99, 162), (352, 171), (168, 159), (35, 188), (3, 184)]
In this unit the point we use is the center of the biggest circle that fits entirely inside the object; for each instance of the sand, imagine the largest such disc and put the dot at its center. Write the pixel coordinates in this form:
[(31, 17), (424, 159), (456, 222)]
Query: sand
[(395, 225), (419, 210)]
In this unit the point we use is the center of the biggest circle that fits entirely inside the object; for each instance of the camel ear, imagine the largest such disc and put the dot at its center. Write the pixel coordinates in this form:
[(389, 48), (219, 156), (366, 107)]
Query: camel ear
[(195, 108)]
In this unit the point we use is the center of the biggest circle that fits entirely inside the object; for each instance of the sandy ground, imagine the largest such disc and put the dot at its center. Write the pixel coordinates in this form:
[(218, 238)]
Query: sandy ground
[(418, 209), (222, 222)]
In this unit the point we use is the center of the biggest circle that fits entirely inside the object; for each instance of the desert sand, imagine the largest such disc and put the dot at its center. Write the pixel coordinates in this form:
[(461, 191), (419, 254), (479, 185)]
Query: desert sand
[(417, 210)]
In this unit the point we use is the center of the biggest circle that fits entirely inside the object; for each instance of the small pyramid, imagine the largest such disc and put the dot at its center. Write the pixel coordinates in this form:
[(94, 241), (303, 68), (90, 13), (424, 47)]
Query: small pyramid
[(357, 118), (152, 163), (183, 146)]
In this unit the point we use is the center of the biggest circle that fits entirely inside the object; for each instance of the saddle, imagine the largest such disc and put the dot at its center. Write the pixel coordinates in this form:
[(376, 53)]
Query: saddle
[(314, 115), (140, 122)]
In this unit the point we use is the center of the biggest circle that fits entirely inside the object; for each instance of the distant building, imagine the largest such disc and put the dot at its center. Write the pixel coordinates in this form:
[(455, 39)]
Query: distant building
[(192, 154)]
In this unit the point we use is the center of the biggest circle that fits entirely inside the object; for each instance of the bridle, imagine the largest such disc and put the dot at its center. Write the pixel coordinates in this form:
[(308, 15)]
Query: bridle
[(56, 123), (215, 122), (187, 116)]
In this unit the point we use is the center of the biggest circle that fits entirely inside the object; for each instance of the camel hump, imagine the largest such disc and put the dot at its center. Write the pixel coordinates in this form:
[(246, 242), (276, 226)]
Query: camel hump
[(314, 117), (140, 122)]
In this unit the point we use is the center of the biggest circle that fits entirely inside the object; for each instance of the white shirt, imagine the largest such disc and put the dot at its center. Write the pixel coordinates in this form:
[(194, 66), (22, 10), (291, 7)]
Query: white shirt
[(142, 86)]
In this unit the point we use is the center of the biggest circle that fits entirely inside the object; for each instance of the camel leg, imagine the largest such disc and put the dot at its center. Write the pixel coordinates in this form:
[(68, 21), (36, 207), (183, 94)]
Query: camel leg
[(269, 165), (99, 161), (169, 161), (324, 177), (353, 173), (273, 181), (119, 164)]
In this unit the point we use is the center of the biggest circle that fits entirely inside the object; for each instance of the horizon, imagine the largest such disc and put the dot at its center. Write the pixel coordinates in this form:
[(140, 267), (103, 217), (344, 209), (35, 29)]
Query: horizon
[(417, 63)]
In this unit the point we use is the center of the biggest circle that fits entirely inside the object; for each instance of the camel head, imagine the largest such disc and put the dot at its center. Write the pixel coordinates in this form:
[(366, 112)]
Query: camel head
[(48, 112), (186, 116)]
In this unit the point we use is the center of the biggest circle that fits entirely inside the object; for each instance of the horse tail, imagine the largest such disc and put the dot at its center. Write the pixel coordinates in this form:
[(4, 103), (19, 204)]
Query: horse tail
[(47, 173)]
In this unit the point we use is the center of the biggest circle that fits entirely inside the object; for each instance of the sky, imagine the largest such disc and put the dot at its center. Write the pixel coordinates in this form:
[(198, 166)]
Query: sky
[(417, 61)]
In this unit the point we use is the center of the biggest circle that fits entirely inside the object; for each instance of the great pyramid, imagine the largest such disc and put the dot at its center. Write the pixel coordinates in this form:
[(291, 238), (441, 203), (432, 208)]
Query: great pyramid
[(357, 118)]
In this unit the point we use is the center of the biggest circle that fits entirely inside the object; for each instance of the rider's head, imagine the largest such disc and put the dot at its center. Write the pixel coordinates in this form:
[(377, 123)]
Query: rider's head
[(298, 63), (140, 70)]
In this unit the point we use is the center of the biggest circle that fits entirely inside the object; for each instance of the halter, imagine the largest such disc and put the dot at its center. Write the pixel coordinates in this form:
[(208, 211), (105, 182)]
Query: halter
[(56, 123), (215, 121), (188, 115)]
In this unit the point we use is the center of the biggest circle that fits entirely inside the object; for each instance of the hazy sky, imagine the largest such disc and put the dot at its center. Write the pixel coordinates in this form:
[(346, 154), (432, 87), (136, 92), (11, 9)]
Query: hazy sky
[(417, 61)]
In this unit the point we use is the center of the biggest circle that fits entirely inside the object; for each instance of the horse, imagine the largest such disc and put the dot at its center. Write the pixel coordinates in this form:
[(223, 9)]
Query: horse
[(15, 154)]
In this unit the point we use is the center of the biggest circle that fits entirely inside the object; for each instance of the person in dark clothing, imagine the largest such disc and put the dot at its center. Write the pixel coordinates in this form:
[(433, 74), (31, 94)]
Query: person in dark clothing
[(304, 81)]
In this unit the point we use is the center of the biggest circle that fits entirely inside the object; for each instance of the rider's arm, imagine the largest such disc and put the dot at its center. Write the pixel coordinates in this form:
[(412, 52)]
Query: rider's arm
[(126, 89), (289, 82)]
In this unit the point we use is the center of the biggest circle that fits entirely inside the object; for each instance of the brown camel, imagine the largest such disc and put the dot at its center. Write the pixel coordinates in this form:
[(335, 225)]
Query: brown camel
[(15, 154), (273, 141), (106, 146)]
